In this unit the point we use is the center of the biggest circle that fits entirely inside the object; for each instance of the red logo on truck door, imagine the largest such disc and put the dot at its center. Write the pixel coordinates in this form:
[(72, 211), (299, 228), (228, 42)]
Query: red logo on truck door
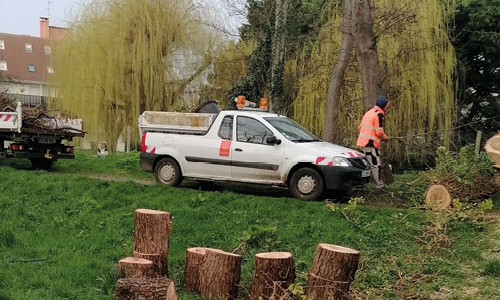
[(224, 148)]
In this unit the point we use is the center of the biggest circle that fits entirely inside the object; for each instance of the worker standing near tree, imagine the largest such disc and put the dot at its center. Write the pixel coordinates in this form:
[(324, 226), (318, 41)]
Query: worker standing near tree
[(371, 133)]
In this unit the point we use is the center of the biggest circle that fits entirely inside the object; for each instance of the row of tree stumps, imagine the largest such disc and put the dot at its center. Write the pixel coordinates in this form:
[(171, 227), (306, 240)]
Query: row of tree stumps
[(214, 273)]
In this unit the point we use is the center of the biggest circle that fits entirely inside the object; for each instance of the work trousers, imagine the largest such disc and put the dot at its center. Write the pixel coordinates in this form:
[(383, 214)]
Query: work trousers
[(373, 156)]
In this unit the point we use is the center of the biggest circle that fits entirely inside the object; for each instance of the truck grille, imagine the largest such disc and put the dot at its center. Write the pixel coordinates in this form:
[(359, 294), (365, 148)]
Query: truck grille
[(360, 163)]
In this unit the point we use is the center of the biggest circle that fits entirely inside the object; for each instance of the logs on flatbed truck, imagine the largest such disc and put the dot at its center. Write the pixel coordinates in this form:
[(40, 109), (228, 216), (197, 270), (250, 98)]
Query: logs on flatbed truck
[(220, 274), (145, 289), (272, 275), (332, 272)]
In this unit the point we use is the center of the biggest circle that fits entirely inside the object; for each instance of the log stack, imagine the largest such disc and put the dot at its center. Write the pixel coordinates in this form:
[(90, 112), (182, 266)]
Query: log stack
[(332, 272), (144, 276)]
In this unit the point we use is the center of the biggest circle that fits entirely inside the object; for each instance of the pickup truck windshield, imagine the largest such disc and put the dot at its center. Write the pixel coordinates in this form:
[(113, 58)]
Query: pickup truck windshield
[(291, 130)]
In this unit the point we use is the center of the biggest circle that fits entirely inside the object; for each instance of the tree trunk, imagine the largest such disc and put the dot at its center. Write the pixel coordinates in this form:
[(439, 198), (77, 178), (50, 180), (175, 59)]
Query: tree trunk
[(335, 263), (132, 267), (160, 264), (220, 275), (385, 170), (321, 289), (367, 54), (331, 128), (194, 261), (273, 273), (145, 289), (278, 61)]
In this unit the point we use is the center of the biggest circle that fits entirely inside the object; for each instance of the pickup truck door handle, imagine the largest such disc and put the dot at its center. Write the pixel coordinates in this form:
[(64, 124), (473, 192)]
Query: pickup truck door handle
[(238, 149)]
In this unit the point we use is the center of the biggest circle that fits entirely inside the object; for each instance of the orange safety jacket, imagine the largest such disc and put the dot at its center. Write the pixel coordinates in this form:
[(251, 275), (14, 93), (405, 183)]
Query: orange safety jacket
[(371, 129)]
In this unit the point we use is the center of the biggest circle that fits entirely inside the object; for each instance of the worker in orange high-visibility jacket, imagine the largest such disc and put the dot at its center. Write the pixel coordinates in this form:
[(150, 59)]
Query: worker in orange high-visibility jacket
[(371, 133)]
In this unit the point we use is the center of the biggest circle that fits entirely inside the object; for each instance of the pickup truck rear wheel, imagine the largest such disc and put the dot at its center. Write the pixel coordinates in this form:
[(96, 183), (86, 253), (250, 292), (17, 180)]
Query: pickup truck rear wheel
[(307, 184), (168, 172), (41, 163)]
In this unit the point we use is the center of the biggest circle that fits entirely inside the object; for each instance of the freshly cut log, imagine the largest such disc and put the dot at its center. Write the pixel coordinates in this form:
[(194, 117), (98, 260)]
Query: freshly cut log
[(273, 273), (132, 267), (160, 266), (437, 197), (335, 263), (151, 233), (492, 147), (192, 267), (220, 274), (321, 289), (145, 289)]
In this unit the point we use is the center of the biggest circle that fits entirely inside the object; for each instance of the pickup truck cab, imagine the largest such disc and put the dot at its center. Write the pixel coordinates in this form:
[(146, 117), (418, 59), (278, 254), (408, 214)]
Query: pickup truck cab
[(249, 146)]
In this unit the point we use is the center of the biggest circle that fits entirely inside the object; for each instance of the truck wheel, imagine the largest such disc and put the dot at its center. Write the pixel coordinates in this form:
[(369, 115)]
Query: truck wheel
[(41, 163), (168, 172), (306, 184)]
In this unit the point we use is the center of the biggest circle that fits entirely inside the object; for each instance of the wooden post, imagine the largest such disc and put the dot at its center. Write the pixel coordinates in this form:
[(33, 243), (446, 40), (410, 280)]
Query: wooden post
[(145, 289), (135, 267), (478, 142), (322, 289), (220, 275), (273, 273), (194, 261), (151, 233)]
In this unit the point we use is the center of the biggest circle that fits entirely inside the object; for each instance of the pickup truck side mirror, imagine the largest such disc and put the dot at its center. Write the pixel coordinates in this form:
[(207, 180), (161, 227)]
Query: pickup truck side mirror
[(273, 140)]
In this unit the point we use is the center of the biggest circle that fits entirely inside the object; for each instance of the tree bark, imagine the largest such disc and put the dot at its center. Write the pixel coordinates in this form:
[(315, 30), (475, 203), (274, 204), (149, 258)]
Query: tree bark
[(132, 267), (145, 289), (160, 264), (331, 128), (367, 54), (276, 98), (220, 275), (321, 289), (273, 273), (335, 263), (194, 261)]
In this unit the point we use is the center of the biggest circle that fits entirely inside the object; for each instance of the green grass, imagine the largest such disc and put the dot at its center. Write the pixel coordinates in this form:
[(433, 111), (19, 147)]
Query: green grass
[(61, 235)]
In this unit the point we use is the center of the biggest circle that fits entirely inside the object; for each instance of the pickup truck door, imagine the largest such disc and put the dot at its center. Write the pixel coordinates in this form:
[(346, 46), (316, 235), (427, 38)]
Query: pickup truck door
[(252, 158)]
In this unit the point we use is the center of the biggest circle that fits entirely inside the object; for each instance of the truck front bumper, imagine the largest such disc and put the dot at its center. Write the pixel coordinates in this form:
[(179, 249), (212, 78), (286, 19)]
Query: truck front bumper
[(147, 161), (341, 178)]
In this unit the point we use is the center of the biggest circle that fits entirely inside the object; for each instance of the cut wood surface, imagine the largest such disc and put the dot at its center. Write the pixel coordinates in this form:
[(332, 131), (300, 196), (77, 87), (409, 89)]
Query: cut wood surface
[(192, 266), (135, 267), (151, 231), (335, 263), (273, 273), (160, 264), (437, 197), (321, 289), (145, 289), (220, 274), (492, 147)]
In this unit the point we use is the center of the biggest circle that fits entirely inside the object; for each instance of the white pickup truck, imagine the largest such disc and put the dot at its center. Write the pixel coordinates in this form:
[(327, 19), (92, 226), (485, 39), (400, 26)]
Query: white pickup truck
[(246, 146)]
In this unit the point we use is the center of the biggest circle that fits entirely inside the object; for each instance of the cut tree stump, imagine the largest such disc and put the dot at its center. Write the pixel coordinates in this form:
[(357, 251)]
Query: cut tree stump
[(132, 267), (335, 263), (151, 234), (145, 289), (437, 197), (492, 147), (321, 289), (220, 274), (273, 273), (160, 267), (192, 267)]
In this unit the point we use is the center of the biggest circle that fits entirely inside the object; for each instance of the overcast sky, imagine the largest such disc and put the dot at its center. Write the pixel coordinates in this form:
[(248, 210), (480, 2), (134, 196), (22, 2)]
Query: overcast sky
[(22, 16)]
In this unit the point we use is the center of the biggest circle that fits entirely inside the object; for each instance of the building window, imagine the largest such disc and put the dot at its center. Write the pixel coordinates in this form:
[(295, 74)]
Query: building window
[(29, 48), (3, 65), (2, 44), (50, 70), (31, 68), (48, 50)]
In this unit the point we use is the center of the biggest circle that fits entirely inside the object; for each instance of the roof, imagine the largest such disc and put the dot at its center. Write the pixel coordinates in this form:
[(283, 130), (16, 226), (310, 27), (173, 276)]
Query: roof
[(18, 59)]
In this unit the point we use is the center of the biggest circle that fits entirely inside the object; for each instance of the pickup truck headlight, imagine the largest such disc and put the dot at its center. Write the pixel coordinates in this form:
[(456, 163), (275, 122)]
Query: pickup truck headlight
[(341, 162)]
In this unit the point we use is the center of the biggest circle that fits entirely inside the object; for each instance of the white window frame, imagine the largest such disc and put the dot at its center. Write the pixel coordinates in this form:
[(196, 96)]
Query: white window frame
[(29, 47), (34, 68), (3, 65), (48, 50), (50, 69), (2, 45)]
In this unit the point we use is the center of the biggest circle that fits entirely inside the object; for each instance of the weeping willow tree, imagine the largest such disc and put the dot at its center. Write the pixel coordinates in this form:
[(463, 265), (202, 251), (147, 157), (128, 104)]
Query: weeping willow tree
[(417, 62), (122, 57)]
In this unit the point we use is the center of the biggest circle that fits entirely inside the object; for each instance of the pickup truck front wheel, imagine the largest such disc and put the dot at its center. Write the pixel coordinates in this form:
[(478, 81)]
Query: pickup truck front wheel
[(307, 184), (168, 172)]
